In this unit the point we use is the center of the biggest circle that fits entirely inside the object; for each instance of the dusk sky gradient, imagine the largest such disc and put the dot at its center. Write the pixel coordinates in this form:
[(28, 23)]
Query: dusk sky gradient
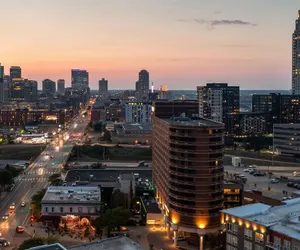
[(182, 43)]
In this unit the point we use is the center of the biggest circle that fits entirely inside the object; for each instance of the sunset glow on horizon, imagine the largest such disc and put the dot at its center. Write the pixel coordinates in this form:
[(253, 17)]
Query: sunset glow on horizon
[(182, 43)]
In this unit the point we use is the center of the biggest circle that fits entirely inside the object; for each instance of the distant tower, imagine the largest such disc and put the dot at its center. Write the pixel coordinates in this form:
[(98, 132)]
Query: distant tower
[(142, 86), (61, 86), (296, 58), (1, 83), (15, 72), (103, 88)]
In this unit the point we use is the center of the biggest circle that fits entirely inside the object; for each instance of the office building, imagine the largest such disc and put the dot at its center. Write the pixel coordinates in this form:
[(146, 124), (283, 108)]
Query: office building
[(188, 175), (15, 72), (49, 87), (142, 86), (60, 201), (247, 123), (103, 89), (61, 86), (80, 78), (260, 226), (17, 89), (287, 139), (30, 91), (167, 109), (216, 100), (138, 112), (280, 108), (1, 83), (296, 58), (6, 82)]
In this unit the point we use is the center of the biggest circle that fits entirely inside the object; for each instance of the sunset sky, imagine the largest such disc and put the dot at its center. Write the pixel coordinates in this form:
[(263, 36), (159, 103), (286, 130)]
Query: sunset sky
[(182, 43)]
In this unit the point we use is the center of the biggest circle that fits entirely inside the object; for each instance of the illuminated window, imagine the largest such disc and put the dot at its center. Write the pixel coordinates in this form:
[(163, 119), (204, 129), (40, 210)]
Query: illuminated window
[(259, 237)]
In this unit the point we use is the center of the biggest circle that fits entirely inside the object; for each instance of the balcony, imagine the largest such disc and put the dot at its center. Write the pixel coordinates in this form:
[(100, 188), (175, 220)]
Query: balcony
[(200, 143)]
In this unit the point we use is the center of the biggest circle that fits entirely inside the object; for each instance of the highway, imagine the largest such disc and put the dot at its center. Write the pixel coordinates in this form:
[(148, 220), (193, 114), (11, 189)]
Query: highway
[(36, 178)]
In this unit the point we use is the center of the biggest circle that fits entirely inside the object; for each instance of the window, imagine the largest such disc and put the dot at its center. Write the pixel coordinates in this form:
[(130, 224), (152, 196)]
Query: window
[(71, 209), (258, 247), (247, 245), (248, 233), (61, 209), (52, 209), (228, 247), (232, 228), (232, 239), (259, 237), (287, 245), (46, 209)]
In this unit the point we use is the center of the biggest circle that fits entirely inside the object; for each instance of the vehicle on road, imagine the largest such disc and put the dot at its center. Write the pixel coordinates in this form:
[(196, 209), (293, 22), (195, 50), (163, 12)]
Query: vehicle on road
[(290, 184), (259, 174), (275, 181), (4, 242), (20, 229), (23, 204), (12, 206), (248, 170), (5, 217), (257, 191)]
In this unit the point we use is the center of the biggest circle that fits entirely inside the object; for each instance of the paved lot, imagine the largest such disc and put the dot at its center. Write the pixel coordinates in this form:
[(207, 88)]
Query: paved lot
[(263, 182)]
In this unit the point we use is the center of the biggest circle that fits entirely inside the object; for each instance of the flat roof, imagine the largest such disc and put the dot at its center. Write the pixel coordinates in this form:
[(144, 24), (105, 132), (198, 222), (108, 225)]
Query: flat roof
[(137, 126), (199, 122), (284, 219), (115, 243), (69, 194), (55, 246)]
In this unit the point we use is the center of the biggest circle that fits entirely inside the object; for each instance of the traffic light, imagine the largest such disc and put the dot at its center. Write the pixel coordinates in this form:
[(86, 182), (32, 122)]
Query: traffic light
[(31, 218)]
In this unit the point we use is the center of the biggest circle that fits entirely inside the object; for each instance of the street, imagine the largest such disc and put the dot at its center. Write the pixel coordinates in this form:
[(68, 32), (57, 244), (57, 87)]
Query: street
[(34, 179)]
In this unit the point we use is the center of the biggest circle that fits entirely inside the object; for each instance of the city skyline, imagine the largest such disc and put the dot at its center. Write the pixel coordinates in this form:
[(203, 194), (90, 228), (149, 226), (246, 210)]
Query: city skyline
[(181, 43)]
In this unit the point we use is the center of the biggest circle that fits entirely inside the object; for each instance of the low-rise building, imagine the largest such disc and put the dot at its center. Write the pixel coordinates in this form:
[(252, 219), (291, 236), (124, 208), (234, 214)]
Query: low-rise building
[(260, 226), (82, 201), (132, 133), (233, 194), (138, 112)]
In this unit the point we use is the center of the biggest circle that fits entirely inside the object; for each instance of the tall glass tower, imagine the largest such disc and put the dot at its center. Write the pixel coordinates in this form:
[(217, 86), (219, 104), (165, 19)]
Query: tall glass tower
[(296, 58)]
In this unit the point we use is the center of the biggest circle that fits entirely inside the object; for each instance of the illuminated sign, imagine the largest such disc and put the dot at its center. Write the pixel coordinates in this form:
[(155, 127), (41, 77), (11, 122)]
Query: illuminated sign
[(51, 118)]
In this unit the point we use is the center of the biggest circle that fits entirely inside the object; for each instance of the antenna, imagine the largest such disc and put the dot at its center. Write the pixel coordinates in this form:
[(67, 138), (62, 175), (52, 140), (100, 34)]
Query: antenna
[(152, 87)]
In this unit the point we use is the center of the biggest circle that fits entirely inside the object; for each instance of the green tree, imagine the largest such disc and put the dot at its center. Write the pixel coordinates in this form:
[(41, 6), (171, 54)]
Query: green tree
[(13, 170), (115, 218), (6, 178), (118, 199), (38, 241), (35, 204)]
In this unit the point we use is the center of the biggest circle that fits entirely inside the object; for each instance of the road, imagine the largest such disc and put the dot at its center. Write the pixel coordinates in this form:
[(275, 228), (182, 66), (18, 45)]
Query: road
[(36, 178)]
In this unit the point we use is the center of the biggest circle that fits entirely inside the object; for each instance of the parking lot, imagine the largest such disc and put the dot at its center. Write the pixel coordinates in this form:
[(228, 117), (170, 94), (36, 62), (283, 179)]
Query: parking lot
[(263, 182)]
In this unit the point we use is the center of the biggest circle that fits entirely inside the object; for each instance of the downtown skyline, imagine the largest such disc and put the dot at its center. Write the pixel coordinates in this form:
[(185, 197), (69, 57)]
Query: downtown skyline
[(183, 44)]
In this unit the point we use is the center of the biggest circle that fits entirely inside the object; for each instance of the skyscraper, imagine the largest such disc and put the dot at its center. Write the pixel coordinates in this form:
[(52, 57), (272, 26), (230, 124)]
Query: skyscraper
[(6, 82), (80, 78), (103, 88), (17, 89), (15, 72), (188, 174), (296, 58), (30, 91), (61, 86), (1, 83), (142, 86), (49, 87), (216, 100)]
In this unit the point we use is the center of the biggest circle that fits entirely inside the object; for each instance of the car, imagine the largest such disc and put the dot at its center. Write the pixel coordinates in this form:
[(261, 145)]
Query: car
[(180, 238), (5, 217), (12, 206), (257, 191), (290, 184), (248, 170), (295, 185), (4, 242), (259, 174), (275, 181), (23, 204), (20, 229), (286, 198), (252, 172)]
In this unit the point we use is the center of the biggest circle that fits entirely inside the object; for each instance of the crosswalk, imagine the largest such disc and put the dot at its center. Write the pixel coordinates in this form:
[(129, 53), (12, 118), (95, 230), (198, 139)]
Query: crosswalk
[(37, 172), (33, 179)]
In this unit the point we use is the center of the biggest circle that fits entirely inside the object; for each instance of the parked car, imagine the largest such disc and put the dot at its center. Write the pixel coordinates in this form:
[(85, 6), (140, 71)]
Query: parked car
[(257, 191), (248, 170), (4, 242), (275, 181), (295, 185), (290, 184)]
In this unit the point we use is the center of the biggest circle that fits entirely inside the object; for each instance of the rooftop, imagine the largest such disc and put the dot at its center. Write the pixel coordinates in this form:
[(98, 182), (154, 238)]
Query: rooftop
[(55, 246), (115, 243), (68, 194), (284, 219), (185, 121)]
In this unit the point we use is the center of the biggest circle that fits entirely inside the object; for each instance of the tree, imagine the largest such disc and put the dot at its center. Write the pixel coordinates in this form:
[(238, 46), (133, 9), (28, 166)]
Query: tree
[(36, 200), (6, 178), (38, 241), (118, 199), (54, 177), (13, 170), (107, 135), (115, 218)]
